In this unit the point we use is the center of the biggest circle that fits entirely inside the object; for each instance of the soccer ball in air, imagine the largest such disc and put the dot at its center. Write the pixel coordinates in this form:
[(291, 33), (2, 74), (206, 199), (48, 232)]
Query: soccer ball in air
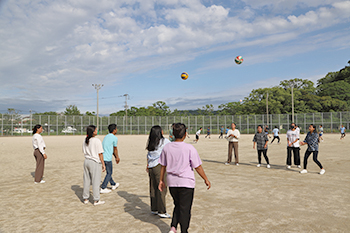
[(184, 75), (239, 60)]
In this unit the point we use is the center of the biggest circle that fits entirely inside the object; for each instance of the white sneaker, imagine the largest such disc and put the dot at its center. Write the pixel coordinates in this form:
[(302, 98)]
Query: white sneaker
[(165, 215), (99, 202), (114, 187), (288, 167), (299, 166), (105, 190), (268, 166), (41, 182), (303, 171), (258, 165), (237, 164), (227, 163), (86, 201), (322, 171)]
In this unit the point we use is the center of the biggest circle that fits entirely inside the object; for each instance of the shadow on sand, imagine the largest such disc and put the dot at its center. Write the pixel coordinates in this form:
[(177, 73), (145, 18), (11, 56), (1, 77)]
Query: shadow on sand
[(79, 192), (141, 211)]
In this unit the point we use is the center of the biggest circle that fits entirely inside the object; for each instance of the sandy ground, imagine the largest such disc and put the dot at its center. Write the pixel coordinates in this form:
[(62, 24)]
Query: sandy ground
[(243, 198)]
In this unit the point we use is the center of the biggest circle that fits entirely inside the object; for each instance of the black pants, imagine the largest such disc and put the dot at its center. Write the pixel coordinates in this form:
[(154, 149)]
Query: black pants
[(296, 155), (264, 152), (274, 137), (183, 198), (314, 156)]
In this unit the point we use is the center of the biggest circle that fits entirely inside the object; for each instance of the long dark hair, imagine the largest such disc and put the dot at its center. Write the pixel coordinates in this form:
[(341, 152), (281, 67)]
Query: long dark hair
[(155, 135), (36, 127), (89, 133)]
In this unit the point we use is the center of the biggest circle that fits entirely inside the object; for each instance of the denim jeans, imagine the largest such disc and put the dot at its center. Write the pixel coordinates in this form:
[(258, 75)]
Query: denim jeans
[(108, 178)]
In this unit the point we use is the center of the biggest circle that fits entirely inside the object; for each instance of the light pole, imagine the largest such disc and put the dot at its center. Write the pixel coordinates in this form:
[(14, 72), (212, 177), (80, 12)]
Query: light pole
[(291, 84), (267, 109), (97, 87), (126, 111)]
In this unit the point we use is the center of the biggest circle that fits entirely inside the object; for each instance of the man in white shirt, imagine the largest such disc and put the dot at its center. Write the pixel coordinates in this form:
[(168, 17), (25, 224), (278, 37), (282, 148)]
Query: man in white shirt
[(232, 136), (197, 134), (293, 145)]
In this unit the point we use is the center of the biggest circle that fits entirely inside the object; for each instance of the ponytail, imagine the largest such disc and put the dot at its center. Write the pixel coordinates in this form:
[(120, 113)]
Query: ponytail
[(89, 133), (36, 127)]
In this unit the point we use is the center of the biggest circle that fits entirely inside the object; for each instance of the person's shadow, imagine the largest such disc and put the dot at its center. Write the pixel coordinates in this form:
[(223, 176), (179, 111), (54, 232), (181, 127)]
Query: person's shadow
[(78, 191), (140, 210)]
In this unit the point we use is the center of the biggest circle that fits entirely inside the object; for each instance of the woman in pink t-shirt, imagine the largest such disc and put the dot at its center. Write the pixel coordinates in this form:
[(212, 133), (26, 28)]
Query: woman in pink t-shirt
[(178, 159)]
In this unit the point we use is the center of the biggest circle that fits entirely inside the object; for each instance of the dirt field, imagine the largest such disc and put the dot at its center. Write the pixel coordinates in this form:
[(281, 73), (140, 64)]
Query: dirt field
[(242, 198)]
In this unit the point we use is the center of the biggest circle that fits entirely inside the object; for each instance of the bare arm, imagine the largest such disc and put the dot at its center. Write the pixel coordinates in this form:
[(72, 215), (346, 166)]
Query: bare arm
[(115, 153), (161, 185), (201, 172), (102, 161)]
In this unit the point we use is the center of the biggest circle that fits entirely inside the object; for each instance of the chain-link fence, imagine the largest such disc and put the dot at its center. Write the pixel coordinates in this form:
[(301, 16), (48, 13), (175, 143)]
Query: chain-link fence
[(12, 125)]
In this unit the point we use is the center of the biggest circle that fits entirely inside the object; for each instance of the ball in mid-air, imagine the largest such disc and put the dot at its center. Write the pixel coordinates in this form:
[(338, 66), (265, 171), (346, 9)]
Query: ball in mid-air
[(184, 75), (239, 60)]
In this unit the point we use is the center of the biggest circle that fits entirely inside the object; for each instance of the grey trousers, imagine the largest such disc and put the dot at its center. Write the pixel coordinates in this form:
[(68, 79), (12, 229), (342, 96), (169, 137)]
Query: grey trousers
[(92, 175)]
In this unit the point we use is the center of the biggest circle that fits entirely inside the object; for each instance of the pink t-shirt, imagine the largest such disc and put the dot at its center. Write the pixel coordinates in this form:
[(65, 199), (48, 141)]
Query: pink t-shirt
[(180, 158)]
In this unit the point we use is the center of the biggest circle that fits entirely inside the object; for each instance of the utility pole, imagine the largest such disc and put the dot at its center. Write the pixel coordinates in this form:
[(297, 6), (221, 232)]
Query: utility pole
[(267, 109), (97, 87), (126, 112), (292, 104), (31, 128)]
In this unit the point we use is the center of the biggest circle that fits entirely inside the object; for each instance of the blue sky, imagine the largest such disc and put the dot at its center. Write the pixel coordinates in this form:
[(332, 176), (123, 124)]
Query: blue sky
[(53, 51)]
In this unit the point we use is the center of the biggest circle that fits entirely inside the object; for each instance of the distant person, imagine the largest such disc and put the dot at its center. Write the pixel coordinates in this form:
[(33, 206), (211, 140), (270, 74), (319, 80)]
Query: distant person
[(320, 133), (93, 165), (155, 145), (39, 154), (208, 132), (178, 159), (297, 128), (110, 149), (261, 140), (233, 136), (342, 132), (197, 134), (221, 132), (171, 135), (267, 130), (187, 132), (293, 146), (311, 140), (275, 135)]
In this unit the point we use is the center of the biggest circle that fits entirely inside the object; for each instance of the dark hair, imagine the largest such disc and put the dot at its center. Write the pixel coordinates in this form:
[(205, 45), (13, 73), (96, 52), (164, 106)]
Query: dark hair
[(276, 126), (36, 127), (313, 126), (112, 127), (260, 126), (89, 133), (179, 130), (321, 125), (155, 135)]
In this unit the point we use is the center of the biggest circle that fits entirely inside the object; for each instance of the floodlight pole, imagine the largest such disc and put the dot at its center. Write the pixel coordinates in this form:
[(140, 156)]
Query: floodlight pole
[(291, 84), (97, 87), (126, 112)]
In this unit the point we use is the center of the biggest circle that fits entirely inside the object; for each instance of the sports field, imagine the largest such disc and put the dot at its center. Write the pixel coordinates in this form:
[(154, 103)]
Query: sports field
[(243, 198)]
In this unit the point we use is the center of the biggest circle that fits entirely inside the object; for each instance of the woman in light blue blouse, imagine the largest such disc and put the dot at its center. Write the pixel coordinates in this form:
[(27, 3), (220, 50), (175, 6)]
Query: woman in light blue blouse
[(155, 145)]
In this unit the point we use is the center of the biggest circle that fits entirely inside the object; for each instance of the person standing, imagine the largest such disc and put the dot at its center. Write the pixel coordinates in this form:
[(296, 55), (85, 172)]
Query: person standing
[(320, 133), (275, 135), (261, 140), (227, 129), (171, 135), (110, 149), (208, 132), (311, 140), (232, 136), (178, 159), (155, 145), (39, 154), (293, 145), (93, 152), (342, 132), (197, 134), (221, 132)]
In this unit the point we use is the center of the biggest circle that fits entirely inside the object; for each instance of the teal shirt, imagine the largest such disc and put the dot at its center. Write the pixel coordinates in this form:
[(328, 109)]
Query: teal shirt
[(108, 144)]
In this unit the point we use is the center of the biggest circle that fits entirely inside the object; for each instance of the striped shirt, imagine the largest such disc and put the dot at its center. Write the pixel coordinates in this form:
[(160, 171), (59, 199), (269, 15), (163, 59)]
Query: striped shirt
[(312, 141), (260, 139)]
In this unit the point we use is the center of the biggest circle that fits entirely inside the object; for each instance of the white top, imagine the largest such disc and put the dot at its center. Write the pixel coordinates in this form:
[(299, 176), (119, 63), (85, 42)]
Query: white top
[(198, 132), (92, 150), (234, 132), (275, 132), (153, 156), (292, 135), (38, 143)]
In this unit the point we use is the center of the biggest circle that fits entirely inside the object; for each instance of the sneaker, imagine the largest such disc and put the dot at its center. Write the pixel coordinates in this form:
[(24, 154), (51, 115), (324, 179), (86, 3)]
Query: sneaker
[(41, 182), (322, 171), (303, 171), (258, 165), (299, 166), (237, 164), (114, 187), (154, 212), (172, 230), (165, 215), (288, 167), (268, 166), (227, 163), (99, 202), (105, 190), (86, 201)]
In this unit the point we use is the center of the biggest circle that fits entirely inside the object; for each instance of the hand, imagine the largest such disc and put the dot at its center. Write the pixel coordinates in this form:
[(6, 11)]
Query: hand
[(117, 159), (207, 183), (45, 156), (265, 146), (103, 167), (147, 169), (161, 186), (253, 147)]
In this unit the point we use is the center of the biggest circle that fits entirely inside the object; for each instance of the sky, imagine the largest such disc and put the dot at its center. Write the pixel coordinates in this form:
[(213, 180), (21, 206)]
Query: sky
[(51, 52)]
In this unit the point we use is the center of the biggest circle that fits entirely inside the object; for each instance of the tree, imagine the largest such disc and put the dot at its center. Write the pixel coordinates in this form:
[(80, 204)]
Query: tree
[(90, 113), (50, 113), (72, 110), (208, 109)]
